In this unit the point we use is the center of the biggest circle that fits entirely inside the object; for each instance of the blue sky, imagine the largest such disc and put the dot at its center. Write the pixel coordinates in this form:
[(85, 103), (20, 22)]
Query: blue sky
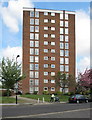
[(13, 38)]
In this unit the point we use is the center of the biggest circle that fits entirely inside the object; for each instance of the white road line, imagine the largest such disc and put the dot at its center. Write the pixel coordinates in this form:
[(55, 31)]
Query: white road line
[(28, 116)]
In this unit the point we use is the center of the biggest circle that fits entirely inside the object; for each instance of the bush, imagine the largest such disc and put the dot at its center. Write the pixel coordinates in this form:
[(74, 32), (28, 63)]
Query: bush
[(35, 92), (27, 93), (70, 93), (5, 93), (45, 92), (59, 93)]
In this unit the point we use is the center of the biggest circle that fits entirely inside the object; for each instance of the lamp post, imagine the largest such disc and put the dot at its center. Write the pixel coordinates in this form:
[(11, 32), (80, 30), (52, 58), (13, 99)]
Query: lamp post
[(16, 80)]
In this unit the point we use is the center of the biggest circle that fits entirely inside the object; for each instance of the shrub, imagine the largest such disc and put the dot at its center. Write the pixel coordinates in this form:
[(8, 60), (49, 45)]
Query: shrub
[(27, 93), (70, 93), (35, 92), (5, 93), (59, 93), (45, 92)]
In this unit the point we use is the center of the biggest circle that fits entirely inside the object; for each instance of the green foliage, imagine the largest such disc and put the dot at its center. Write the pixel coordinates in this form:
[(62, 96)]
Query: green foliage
[(45, 92), (59, 93), (11, 73), (35, 92)]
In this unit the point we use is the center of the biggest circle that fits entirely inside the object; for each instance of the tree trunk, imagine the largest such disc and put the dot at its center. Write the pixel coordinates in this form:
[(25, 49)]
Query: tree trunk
[(7, 92)]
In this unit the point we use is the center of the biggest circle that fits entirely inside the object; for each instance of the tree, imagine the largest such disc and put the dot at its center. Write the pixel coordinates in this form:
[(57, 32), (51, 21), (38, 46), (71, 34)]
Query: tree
[(84, 81), (10, 74), (63, 81)]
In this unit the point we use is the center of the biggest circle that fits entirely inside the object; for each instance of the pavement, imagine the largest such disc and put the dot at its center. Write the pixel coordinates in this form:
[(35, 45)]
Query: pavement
[(28, 101)]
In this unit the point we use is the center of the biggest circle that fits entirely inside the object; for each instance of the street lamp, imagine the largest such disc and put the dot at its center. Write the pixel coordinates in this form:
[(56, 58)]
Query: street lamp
[(16, 80)]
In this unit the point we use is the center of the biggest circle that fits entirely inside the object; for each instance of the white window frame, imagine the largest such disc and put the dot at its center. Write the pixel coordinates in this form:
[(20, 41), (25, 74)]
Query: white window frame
[(45, 57), (45, 35), (45, 73), (52, 50), (53, 28), (52, 89), (45, 43), (52, 66), (45, 80), (45, 28), (45, 20), (52, 73), (53, 58), (45, 50), (46, 88), (46, 13), (52, 35), (31, 36), (53, 43), (52, 21), (52, 14)]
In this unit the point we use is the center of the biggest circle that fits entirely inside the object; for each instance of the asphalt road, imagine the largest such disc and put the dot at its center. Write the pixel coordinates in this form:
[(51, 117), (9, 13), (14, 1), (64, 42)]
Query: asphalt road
[(57, 110)]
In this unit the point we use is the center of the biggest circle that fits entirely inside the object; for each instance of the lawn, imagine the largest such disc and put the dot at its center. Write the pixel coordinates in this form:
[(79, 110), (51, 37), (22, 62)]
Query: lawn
[(63, 98), (10, 100)]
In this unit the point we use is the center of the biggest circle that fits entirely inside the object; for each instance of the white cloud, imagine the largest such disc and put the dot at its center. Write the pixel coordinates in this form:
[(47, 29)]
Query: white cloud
[(12, 52), (83, 64), (12, 15), (82, 40), (82, 33)]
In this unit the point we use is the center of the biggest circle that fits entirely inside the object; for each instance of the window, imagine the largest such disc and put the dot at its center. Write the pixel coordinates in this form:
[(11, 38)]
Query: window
[(66, 45), (31, 89), (61, 16), (61, 31), (52, 73), (66, 60), (66, 38), (36, 28), (31, 35), (45, 28), (31, 82), (31, 28), (31, 51), (36, 43), (61, 68), (31, 13), (45, 13), (52, 21), (61, 23), (52, 43), (53, 28), (66, 30), (45, 88), (52, 35), (36, 74), (36, 14), (52, 81), (52, 66), (66, 68), (36, 88), (45, 20), (32, 21), (36, 51), (45, 73), (45, 58), (36, 59), (52, 50), (66, 53), (61, 52), (31, 66), (52, 14), (36, 66), (66, 16), (36, 21), (45, 65), (31, 58), (31, 43), (36, 82), (45, 43), (61, 38), (45, 35), (61, 45), (31, 74), (45, 80), (52, 88), (45, 50), (53, 58), (36, 36), (61, 60), (66, 23)]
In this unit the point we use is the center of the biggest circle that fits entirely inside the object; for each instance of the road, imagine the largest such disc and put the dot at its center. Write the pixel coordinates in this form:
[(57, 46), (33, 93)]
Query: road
[(57, 110)]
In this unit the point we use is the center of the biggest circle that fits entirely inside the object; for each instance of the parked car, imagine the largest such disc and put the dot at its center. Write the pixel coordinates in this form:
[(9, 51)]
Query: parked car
[(77, 98)]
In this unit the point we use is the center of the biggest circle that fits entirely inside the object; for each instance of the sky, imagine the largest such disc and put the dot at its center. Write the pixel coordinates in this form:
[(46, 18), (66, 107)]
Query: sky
[(11, 19)]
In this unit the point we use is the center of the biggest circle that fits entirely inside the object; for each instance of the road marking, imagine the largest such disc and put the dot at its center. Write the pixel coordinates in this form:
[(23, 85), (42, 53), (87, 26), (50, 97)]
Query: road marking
[(28, 116)]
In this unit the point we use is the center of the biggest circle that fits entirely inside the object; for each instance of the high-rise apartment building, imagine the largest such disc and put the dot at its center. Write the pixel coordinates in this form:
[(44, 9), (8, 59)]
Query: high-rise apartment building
[(48, 47)]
